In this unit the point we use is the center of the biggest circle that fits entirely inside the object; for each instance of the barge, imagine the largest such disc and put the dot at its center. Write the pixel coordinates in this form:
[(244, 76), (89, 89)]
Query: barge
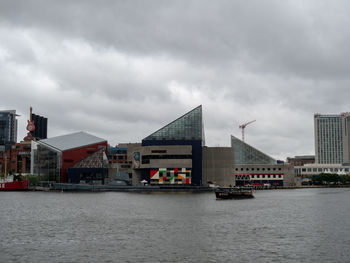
[(236, 192)]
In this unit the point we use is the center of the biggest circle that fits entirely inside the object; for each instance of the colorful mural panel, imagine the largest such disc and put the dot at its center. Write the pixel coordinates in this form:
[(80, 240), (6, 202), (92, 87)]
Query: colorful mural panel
[(170, 176)]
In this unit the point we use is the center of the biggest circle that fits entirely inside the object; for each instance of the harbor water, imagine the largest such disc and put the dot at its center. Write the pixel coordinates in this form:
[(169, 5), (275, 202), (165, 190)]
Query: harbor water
[(300, 225)]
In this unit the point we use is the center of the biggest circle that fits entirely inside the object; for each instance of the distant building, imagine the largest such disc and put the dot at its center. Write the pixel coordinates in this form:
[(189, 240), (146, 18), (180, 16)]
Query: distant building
[(120, 165), (40, 123), (8, 129), (332, 138), (52, 157), (308, 170), (301, 160), (118, 154), (17, 159)]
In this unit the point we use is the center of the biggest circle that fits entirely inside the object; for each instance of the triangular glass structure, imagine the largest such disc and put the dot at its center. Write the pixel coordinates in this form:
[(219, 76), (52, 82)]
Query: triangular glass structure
[(246, 154), (187, 127)]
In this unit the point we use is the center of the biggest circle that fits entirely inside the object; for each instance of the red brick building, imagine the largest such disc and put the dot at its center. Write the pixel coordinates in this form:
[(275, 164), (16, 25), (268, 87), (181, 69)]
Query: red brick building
[(17, 159)]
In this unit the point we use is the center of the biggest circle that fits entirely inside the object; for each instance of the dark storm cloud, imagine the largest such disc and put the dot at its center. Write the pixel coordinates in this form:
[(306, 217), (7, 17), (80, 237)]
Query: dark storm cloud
[(123, 69)]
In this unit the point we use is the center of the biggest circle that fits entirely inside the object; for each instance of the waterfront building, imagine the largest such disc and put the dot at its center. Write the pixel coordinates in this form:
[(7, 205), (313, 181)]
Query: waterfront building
[(8, 129), (173, 154), (52, 157), (252, 166), (305, 172), (92, 169), (260, 174), (246, 154), (332, 138)]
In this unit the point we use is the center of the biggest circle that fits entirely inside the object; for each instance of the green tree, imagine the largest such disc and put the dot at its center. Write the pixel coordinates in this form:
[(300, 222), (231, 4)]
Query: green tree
[(345, 179), (32, 179)]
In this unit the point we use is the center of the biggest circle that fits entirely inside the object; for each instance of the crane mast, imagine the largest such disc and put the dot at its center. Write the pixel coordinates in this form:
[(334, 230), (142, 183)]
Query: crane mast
[(243, 127)]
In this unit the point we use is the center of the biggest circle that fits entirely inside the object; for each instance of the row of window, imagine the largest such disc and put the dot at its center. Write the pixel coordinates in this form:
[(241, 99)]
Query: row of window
[(258, 176), (258, 169), (323, 169), (146, 158)]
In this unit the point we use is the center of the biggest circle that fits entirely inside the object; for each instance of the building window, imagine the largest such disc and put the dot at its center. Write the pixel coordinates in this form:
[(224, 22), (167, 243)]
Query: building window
[(236, 169), (263, 176), (257, 169), (247, 169)]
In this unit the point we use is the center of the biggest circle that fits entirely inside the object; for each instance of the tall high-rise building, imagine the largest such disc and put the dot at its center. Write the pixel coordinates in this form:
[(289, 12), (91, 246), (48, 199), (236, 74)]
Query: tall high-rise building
[(8, 128), (332, 138)]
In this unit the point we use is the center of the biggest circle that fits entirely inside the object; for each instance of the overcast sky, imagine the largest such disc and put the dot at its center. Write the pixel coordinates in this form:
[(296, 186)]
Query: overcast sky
[(123, 69)]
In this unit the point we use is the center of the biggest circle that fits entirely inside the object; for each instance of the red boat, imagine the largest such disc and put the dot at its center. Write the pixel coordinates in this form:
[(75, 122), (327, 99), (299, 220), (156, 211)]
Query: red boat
[(14, 186)]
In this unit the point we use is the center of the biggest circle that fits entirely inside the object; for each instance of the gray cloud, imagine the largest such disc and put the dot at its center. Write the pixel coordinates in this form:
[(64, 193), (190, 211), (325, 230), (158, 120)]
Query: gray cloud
[(123, 69)]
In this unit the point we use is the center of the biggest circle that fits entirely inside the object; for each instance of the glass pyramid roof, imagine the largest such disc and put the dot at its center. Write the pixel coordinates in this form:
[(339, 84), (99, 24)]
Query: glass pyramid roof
[(187, 127), (246, 154)]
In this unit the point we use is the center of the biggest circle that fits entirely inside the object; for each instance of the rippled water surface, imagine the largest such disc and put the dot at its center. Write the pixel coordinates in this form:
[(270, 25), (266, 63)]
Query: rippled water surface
[(304, 225)]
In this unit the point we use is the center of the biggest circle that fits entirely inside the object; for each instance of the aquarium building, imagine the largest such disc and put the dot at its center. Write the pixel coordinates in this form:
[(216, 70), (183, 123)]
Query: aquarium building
[(52, 157)]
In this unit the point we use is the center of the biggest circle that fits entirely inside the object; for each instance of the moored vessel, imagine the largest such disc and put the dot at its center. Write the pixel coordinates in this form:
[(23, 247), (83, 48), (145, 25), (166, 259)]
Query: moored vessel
[(13, 185), (237, 192)]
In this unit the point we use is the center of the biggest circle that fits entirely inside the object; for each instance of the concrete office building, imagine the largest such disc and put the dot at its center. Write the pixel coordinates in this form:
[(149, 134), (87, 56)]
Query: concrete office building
[(332, 144)]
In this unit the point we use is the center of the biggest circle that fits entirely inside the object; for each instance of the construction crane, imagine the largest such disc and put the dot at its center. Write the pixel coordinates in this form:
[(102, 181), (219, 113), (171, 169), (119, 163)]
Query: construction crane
[(243, 127)]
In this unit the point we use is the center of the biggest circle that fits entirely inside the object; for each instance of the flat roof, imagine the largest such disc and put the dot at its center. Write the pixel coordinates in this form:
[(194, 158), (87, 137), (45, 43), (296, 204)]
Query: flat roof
[(72, 141)]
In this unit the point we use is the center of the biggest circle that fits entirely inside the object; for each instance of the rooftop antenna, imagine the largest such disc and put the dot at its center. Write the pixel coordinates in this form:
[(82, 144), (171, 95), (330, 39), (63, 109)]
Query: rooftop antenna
[(243, 127)]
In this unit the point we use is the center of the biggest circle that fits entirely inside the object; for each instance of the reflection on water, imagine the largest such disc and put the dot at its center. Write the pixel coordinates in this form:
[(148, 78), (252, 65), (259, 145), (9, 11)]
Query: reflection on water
[(306, 225)]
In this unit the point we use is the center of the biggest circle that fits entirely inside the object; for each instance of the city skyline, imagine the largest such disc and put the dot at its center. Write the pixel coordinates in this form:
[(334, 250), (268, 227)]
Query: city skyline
[(123, 72)]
